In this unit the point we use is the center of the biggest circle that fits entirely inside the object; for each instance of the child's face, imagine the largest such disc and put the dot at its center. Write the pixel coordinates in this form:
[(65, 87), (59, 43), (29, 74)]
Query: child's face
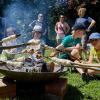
[(95, 42), (37, 35), (80, 33), (81, 12)]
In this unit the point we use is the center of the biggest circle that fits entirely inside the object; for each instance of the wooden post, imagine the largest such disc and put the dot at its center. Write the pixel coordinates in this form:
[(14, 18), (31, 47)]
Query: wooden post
[(7, 88)]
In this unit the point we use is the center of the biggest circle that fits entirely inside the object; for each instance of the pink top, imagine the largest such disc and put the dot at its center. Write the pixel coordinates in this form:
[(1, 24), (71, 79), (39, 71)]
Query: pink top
[(61, 28)]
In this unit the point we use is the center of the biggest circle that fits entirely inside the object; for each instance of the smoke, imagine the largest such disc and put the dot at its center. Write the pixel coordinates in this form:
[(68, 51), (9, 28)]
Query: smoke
[(20, 13)]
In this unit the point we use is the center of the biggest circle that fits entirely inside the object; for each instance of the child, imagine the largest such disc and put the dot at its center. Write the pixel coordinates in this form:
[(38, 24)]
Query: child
[(71, 44), (10, 53), (94, 52), (88, 22), (94, 57)]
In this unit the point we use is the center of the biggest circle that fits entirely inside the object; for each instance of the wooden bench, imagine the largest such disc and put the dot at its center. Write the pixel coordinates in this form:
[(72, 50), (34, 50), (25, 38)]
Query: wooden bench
[(7, 88), (57, 87)]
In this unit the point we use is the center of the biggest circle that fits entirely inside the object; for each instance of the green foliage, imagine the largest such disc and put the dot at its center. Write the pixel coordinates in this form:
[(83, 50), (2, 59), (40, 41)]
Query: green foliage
[(55, 11)]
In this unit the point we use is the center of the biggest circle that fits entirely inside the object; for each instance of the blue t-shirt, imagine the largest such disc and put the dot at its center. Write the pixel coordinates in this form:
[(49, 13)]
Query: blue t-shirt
[(84, 21), (69, 41)]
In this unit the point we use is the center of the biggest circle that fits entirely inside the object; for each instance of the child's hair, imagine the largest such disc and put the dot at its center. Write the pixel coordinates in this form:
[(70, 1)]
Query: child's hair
[(10, 31), (83, 10)]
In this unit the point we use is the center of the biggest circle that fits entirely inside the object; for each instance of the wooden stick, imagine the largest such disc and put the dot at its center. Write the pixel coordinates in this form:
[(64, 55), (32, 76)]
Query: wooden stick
[(10, 38), (80, 64), (92, 68), (51, 48), (68, 63), (19, 45), (87, 65)]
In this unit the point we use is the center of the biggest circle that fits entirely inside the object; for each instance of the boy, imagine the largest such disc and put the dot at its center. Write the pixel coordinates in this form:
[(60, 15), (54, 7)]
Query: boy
[(10, 53), (94, 57), (88, 22), (71, 44)]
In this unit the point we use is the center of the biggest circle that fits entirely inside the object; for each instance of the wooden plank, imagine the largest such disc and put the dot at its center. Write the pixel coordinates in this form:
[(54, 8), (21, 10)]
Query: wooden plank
[(7, 88)]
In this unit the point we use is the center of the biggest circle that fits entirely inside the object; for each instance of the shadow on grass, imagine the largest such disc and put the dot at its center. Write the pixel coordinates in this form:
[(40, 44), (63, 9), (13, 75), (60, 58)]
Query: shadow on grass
[(73, 94)]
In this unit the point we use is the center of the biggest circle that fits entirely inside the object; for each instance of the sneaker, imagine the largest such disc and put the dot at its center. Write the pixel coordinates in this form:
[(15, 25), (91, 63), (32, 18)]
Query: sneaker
[(84, 77)]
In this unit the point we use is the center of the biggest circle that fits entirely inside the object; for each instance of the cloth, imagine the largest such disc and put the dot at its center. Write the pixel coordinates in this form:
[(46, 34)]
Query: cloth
[(94, 35), (84, 21), (59, 38), (69, 41), (95, 54), (37, 25), (60, 31)]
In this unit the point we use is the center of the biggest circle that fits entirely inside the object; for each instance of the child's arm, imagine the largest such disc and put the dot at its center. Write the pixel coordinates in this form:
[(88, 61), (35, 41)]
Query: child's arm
[(90, 60), (74, 47), (93, 22)]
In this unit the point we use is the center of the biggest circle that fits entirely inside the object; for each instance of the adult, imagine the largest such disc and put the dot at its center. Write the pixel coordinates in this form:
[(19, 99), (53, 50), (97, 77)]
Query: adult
[(61, 28)]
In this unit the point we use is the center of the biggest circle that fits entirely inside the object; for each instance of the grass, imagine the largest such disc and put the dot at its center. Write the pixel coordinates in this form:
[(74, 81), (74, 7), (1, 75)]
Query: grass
[(77, 89)]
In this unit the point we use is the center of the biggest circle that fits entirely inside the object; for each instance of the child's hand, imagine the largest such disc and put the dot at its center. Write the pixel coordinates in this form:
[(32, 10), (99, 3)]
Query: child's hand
[(53, 54), (88, 30)]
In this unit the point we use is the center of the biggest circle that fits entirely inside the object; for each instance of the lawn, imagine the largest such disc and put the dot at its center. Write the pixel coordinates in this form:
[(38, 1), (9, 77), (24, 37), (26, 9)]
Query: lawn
[(77, 89)]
